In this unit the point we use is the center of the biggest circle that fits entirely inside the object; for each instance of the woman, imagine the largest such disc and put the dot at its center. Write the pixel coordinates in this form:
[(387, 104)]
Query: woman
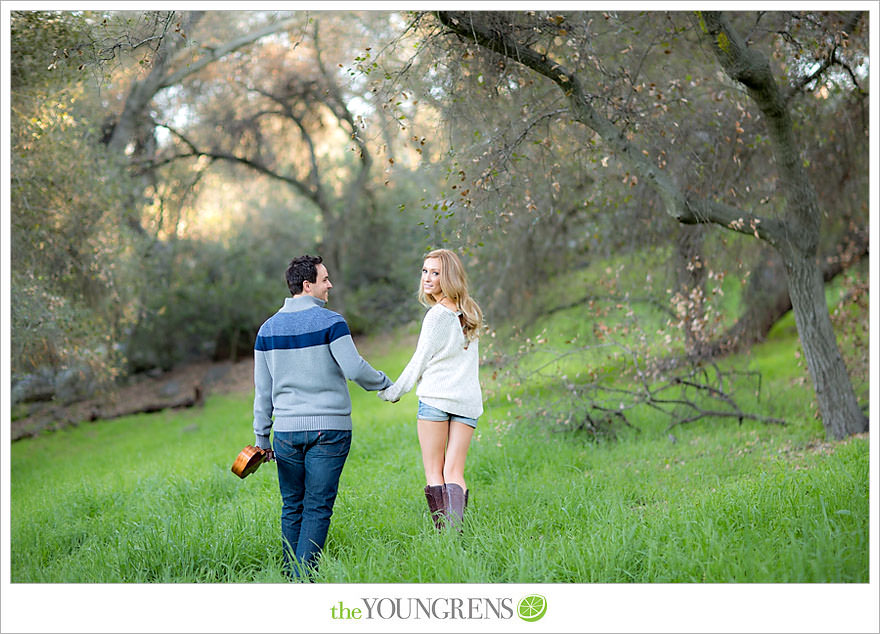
[(446, 367)]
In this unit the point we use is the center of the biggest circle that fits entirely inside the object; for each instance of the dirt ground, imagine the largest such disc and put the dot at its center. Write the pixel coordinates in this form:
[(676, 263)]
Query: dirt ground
[(185, 386)]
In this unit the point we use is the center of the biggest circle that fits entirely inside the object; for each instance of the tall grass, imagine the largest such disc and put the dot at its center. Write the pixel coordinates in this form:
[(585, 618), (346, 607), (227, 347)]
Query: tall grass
[(150, 498)]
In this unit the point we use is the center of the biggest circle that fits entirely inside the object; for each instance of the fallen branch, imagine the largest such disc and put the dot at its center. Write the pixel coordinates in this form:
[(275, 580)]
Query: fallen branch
[(56, 418), (196, 398), (683, 393)]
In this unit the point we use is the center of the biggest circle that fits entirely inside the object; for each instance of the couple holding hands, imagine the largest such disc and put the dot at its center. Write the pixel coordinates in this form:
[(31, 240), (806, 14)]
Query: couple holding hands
[(303, 357)]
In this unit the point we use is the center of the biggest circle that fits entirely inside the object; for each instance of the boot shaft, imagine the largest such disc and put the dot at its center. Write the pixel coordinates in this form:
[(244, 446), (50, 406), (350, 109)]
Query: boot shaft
[(437, 503), (457, 502)]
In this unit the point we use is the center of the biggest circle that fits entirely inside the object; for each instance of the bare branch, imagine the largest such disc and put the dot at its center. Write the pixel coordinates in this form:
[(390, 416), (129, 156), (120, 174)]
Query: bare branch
[(314, 170), (212, 55), (831, 59), (508, 149), (339, 108), (194, 152)]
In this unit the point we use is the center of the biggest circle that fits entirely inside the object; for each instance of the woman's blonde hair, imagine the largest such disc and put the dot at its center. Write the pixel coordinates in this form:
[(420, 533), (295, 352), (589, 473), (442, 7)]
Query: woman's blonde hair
[(454, 284)]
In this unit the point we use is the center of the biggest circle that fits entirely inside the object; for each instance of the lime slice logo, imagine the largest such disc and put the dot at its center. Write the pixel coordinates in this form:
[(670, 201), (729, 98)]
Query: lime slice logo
[(532, 607)]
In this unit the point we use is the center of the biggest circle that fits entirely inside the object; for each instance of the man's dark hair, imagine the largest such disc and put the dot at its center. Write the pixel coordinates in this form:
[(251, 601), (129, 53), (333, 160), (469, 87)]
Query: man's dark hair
[(301, 269)]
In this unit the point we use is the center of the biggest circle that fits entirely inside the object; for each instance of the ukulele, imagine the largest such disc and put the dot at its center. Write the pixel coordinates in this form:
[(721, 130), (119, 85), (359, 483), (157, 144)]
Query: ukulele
[(249, 460)]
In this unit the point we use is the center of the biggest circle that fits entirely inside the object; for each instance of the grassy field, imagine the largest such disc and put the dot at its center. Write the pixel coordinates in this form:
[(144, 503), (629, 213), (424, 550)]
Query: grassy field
[(151, 498)]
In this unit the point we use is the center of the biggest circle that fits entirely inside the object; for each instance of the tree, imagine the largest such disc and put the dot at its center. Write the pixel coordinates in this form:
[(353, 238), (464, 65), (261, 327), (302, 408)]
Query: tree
[(287, 114), (71, 268), (175, 58), (532, 38)]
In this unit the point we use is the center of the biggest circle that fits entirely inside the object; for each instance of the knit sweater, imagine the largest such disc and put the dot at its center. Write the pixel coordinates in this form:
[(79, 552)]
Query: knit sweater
[(447, 372), (303, 356)]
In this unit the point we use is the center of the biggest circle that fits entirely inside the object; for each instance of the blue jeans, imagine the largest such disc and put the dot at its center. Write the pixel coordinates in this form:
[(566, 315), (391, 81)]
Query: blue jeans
[(309, 466)]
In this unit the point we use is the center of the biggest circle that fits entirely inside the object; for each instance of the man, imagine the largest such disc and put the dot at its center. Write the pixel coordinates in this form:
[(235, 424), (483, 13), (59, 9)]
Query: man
[(303, 356)]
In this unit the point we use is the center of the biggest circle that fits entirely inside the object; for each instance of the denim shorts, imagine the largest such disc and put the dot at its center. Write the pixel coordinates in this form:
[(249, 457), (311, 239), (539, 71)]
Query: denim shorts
[(426, 412)]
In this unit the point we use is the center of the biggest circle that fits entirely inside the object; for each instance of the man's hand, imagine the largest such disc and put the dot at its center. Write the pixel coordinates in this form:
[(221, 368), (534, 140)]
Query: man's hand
[(270, 455)]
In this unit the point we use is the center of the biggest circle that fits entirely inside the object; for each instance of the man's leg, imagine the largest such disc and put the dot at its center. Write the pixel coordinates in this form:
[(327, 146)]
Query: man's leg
[(324, 461), (290, 457)]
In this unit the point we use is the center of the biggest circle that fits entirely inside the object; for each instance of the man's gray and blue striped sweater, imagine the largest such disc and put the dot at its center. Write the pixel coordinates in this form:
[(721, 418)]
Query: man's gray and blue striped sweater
[(303, 356)]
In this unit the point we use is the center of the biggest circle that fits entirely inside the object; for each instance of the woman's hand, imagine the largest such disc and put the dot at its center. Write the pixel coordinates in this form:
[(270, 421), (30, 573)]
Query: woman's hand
[(385, 396)]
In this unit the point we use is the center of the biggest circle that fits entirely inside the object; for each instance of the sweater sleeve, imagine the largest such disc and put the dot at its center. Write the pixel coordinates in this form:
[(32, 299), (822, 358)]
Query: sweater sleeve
[(354, 367), (263, 408), (431, 337)]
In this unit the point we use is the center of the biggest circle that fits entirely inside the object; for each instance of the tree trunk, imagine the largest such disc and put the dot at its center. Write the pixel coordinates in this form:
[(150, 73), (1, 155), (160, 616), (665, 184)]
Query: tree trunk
[(692, 288), (142, 91), (767, 298), (837, 401), (798, 243), (331, 248)]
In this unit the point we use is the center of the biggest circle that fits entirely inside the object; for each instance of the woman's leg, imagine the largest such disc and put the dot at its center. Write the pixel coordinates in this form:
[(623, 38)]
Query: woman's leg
[(432, 439), (456, 451)]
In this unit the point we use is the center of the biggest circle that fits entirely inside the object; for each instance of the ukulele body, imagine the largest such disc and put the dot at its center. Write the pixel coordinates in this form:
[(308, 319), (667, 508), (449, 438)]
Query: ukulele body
[(249, 460)]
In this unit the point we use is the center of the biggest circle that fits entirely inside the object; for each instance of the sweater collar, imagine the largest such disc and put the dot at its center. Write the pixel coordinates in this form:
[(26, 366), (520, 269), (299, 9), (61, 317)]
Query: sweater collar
[(294, 304)]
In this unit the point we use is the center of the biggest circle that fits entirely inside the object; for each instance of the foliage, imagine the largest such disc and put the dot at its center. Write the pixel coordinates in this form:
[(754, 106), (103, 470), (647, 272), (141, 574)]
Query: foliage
[(36, 37), (71, 260), (634, 358), (289, 114), (382, 273), (212, 291)]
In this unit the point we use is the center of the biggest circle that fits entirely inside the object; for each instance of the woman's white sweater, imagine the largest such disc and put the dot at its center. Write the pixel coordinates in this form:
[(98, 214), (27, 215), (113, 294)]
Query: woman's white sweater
[(445, 366)]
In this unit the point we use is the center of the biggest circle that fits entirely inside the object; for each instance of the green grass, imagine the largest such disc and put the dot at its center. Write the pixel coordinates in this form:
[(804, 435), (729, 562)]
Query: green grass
[(150, 498)]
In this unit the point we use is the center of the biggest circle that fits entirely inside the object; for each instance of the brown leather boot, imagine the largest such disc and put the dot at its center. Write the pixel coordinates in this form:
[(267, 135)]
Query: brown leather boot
[(437, 503), (457, 497)]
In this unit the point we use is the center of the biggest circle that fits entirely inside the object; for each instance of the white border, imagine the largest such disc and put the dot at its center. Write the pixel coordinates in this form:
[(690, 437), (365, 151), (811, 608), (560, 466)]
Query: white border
[(571, 607)]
